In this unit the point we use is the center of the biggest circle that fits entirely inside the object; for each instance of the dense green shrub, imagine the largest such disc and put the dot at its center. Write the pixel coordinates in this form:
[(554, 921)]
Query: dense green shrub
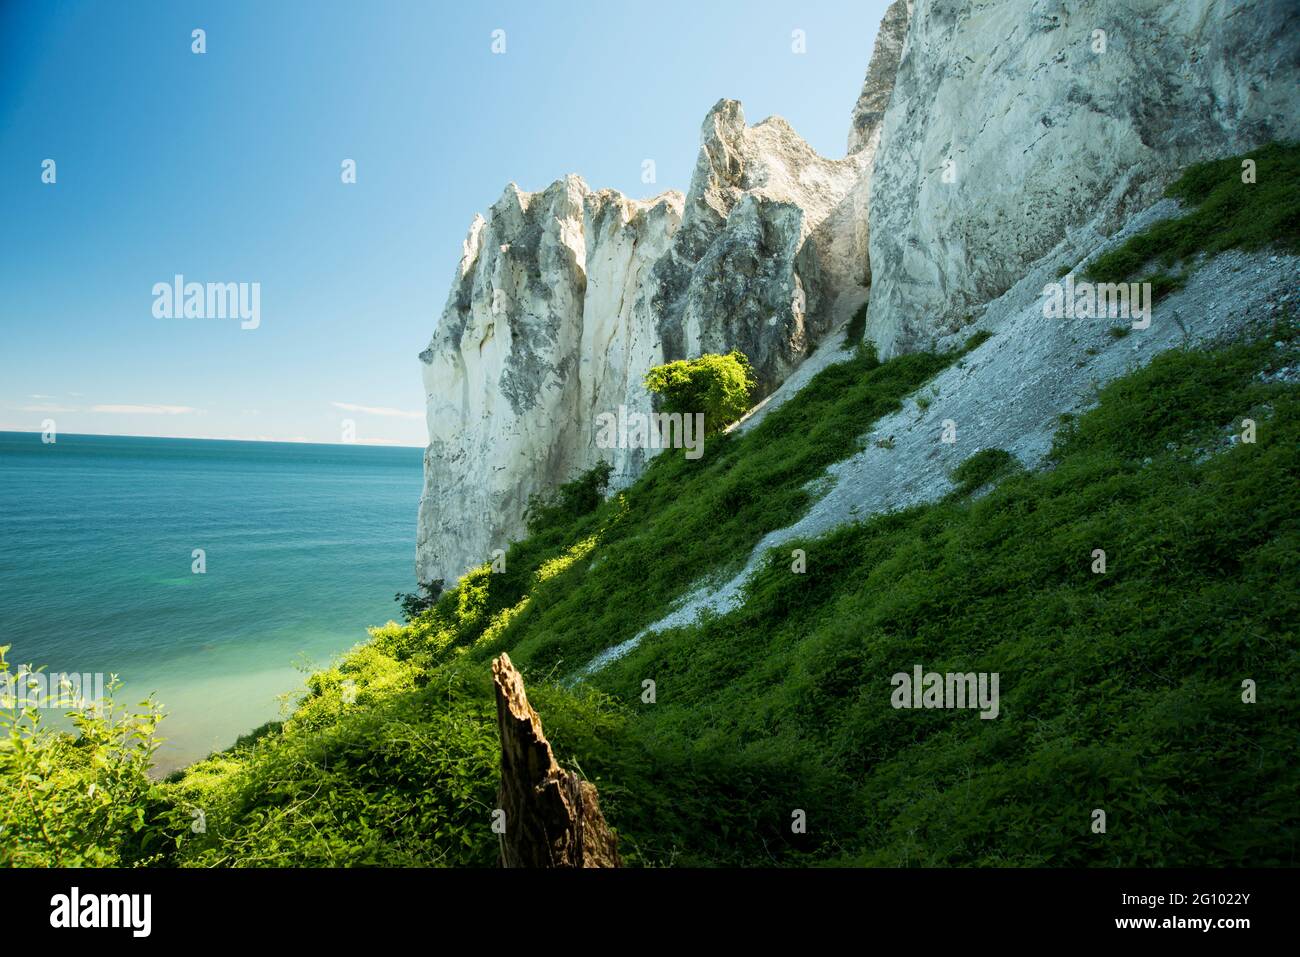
[(981, 468), (571, 500), (855, 330), (717, 386), (83, 799), (376, 767)]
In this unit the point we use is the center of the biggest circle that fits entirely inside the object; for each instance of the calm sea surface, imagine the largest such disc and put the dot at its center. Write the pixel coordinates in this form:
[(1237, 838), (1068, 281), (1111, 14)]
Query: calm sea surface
[(304, 547)]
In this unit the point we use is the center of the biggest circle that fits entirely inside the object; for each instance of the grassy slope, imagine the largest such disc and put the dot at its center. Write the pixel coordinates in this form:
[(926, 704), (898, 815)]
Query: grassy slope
[(303, 792), (1119, 691), (1225, 213)]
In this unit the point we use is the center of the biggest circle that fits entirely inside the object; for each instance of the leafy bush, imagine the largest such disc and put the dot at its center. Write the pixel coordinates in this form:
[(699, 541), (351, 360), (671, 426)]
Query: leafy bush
[(856, 328), (571, 500), (981, 468), (416, 604), (377, 767), (83, 800), (718, 386)]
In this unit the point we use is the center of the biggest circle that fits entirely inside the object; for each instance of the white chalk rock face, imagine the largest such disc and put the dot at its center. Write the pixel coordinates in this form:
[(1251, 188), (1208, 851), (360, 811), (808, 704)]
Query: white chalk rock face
[(878, 87), (625, 238), (765, 260), (864, 132), (500, 375), (564, 299), (1013, 121)]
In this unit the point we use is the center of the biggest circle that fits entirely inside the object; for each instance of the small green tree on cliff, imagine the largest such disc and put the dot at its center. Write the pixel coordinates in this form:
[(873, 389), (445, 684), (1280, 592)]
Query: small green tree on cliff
[(719, 386)]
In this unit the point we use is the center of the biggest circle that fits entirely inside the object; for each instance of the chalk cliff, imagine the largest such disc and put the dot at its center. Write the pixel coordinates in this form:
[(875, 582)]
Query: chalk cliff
[(989, 136), (1011, 122), (564, 298)]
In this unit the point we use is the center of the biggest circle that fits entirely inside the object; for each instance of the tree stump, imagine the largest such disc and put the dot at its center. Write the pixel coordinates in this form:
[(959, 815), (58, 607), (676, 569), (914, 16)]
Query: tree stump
[(552, 816)]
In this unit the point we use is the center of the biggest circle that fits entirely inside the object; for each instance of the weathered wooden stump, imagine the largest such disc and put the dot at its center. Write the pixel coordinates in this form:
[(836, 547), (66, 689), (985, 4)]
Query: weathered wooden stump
[(552, 816)]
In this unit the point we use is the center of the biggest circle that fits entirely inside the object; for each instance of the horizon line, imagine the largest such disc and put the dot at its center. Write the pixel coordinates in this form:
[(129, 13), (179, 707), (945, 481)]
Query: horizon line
[(213, 438)]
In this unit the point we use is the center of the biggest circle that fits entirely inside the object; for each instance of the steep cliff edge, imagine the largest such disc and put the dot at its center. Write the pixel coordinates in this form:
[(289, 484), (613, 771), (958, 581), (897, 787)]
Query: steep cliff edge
[(512, 362), (563, 299), (1011, 123)]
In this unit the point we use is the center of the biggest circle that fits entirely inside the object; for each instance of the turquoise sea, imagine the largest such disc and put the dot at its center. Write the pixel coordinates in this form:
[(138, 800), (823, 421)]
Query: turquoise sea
[(304, 545)]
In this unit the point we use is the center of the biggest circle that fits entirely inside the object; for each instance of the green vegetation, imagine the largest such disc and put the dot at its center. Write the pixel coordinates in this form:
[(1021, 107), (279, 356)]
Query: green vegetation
[(83, 800), (718, 386), (571, 500), (1226, 213), (856, 328), (380, 765), (1120, 690), (981, 468), (414, 604)]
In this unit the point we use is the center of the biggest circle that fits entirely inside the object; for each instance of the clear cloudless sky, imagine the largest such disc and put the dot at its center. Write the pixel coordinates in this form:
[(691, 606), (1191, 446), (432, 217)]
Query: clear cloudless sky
[(225, 167)]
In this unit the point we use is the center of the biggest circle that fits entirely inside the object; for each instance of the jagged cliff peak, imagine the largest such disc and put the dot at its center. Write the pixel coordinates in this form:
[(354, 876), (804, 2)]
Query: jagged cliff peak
[(565, 297), (869, 111)]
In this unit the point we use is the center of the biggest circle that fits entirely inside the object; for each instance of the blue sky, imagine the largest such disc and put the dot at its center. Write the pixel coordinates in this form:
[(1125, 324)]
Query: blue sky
[(225, 167)]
